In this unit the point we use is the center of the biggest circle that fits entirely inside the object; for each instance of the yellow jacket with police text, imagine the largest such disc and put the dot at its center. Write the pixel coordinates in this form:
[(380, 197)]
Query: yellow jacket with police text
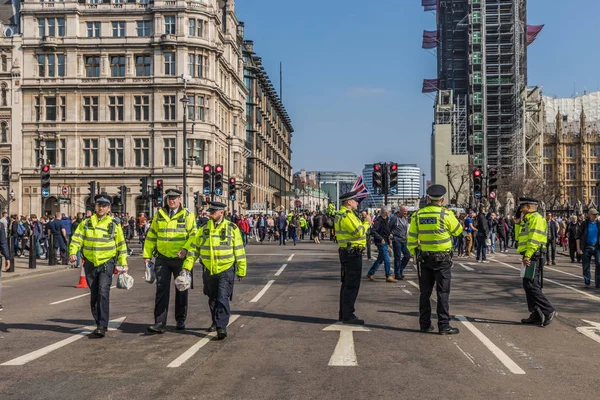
[(99, 241), (169, 235), (432, 229)]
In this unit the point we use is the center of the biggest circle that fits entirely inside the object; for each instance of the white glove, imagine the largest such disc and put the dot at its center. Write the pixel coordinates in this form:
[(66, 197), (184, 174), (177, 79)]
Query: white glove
[(184, 281)]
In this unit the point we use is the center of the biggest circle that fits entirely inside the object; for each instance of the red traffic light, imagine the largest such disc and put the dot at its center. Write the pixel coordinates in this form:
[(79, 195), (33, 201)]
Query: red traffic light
[(493, 172), (46, 168), (159, 182), (219, 168), (207, 168), (477, 172), (231, 180), (376, 167), (394, 167)]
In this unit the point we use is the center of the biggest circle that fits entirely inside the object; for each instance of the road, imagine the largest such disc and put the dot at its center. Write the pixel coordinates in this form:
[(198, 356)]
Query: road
[(277, 346)]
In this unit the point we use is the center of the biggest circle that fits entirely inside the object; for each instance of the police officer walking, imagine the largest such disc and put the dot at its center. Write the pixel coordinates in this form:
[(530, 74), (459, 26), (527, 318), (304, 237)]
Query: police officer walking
[(219, 246), (351, 235), (430, 242), (530, 231), (171, 228), (102, 244)]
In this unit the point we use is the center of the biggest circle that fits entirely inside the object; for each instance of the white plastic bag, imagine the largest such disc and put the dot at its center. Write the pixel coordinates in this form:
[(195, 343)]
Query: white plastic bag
[(150, 274), (184, 281), (124, 281)]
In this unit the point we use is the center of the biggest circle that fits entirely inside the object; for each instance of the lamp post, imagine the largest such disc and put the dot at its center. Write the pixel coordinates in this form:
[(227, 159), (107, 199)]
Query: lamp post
[(423, 175), (184, 101), (448, 176), (411, 189), (229, 139)]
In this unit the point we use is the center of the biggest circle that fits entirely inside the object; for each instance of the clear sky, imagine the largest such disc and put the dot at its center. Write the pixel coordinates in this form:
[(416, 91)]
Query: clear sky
[(353, 71)]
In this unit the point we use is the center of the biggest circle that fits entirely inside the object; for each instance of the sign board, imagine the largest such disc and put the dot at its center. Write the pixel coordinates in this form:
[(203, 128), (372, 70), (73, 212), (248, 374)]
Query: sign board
[(298, 203), (45, 192), (259, 206), (477, 195), (492, 195), (64, 200), (65, 190)]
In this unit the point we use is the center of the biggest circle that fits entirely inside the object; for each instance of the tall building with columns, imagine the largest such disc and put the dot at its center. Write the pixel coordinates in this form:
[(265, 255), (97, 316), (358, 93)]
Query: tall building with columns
[(102, 92)]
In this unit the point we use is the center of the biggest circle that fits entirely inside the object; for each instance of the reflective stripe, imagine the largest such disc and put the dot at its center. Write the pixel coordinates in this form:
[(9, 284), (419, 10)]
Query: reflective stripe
[(121, 243), (149, 239), (442, 241), (242, 257), (442, 226), (358, 230), (240, 247), (100, 248), (342, 241), (207, 247), (77, 235), (164, 239), (456, 229), (412, 234), (428, 213), (100, 240), (537, 242), (434, 231), (172, 230), (537, 231), (152, 231)]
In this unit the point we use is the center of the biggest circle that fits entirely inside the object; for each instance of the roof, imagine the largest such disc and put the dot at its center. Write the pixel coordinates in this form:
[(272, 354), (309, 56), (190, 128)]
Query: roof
[(7, 15), (572, 107)]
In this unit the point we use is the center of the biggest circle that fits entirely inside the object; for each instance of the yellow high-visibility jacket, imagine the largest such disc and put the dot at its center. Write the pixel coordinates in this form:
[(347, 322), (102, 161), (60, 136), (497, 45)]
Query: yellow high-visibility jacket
[(169, 235), (432, 228), (99, 241), (531, 234), (349, 230)]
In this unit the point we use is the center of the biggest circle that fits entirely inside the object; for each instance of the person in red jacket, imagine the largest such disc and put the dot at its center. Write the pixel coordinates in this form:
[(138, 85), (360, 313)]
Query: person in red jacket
[(242, 223)]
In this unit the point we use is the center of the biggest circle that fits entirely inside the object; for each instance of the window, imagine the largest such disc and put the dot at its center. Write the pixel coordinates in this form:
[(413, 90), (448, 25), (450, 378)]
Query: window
[(37, 108), (478, 138), (115, 152), (118, 29), (92, 66), (476, 17), (5, 165), (571, 172), (115, 108), (195, 152), (90, 108), (61, 26), (61, 64), (41, 61), (196, 108), (142, 65), (170, 64), (51, 25), (595, 150), (200, 66), (170, 25), (63, 108), (47, 65), (595, 172), (143, 28), (235, 126), (48, 27), (548, 172), (93, 29), (196, 27), (236, 163), (169, 152), (191, 107), (477, 78), (169, 108), (477, 159), (141, 152), (476, 57), (477, 98), (52, 152), (50, 108), (476, 38), (142, 108), (571, 151), (117, 66), (192, 23), (477, 118), (3, 132), (90, 152), (572, 195), (4, 64), (41, 27), (3, 95), (191, 64), (548, 152)]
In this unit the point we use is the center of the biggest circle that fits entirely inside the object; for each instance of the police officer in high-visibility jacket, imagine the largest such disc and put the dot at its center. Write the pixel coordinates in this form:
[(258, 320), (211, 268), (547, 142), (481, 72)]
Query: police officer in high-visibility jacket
[(171, 228), (351, 235), (430, 243), (102, 244), (220, 248), (530, 231)]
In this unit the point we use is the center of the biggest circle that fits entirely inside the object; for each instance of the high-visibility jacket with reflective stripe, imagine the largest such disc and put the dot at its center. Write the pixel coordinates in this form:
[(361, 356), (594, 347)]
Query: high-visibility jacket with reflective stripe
[(303, 223), (432, 228), (330, 209), (169, 235), (99, 241), (349, 230), (531, 234), (218, 248)]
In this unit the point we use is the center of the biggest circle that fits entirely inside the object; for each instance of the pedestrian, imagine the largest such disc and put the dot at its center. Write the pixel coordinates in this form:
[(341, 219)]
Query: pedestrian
[(492, 223), (470, 229), (281, 225), (219, 247), (399, 231), (530, 229), (102, 244), (430, 242), (140, 223), (261, 224), (352, 241), (171, 229), (59, 235), (482, 231), (381, 235), (551, 238), (572, 234), (6, 254), (588, 246), (502, 233)]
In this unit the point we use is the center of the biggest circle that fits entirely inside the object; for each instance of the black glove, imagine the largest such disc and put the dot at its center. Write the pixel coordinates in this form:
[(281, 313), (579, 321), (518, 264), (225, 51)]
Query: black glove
[(518, 214)]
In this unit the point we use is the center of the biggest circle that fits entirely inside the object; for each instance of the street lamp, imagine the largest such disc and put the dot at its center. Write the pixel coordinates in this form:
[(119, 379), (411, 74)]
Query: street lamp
[(229, 140), (184, 101), (448, 176), (411, 189), (423, 175)]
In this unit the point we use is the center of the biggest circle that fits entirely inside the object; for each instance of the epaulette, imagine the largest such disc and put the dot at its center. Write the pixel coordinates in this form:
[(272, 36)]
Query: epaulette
[(232, 225)]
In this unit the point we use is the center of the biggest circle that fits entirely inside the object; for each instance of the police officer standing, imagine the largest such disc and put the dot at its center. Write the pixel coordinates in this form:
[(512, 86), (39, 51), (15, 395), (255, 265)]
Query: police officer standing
[(171, 228), (430, 242), (219, 246), (530, 231), (102, 244), (351, 235)]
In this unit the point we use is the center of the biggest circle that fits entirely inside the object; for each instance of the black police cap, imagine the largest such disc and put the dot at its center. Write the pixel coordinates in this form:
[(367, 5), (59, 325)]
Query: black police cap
[(349, 195), (216, 206), (436, 192), (173, 193), (103, 198), (523, 201)]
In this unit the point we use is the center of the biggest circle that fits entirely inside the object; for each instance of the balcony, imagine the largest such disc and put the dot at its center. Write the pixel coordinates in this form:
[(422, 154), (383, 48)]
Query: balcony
[(49, 42), (168, 40)]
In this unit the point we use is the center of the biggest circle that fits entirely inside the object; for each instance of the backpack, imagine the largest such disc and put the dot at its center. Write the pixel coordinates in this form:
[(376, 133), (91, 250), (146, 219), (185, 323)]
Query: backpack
[(21, 229)]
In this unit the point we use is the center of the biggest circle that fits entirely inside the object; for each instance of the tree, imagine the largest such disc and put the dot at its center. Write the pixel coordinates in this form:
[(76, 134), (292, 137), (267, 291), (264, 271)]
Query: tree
[(534, 186), (459, 183)]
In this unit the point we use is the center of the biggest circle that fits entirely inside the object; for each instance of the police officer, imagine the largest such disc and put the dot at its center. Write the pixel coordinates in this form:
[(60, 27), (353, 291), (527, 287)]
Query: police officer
[(219, 246), (351, 235), (171, 228), (530, 231), (430, 242), (102, 244)]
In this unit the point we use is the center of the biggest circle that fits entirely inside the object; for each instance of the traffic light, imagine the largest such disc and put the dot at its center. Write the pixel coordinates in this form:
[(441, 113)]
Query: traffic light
[(144, 187), (232, 189), (197, 200), (123, 196), (493, 182), (45, 176), (207, 178), (393, 178), (477, 183), (219, 180), (377, 178), (268, 205), (92, 191), (158, 192)]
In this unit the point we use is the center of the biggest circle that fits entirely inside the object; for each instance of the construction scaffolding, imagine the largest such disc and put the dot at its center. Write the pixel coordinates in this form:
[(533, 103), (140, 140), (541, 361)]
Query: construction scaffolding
[(529, 144)]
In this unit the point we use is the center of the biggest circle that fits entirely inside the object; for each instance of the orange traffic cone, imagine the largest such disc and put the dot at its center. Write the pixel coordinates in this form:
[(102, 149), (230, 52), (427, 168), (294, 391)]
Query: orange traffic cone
[(82, 281)]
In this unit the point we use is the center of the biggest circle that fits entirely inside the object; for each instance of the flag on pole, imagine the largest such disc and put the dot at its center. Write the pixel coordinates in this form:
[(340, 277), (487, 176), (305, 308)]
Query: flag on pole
[(359, 185)]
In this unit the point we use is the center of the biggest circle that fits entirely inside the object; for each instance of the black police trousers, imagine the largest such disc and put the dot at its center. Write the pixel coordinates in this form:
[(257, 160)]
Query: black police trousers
[(351, 274), (536, 300), (436, 270), (219, 289), (165, 268), (99, 280)]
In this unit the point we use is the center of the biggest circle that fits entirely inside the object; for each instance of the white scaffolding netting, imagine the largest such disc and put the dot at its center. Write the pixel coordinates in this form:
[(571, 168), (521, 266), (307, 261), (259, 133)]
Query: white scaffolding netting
[(571, 107)]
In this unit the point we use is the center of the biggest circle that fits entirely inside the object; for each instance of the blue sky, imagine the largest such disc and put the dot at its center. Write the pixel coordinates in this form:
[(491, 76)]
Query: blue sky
[(353, 71)]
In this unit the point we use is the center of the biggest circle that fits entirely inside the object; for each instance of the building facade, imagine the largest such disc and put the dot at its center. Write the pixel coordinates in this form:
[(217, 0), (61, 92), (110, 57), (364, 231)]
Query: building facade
[(308, 192), (268, 139), (102, 99), (408, 189)]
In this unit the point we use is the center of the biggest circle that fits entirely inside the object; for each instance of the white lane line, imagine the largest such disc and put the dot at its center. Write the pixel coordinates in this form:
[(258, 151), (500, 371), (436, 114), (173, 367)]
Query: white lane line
[(504, 359), (591, 296), (469, 357), (178, 362), (262, 292), (417, 286), (407, 292), (75, 297), (290, 258), (590, 331), (467, 268), (280, 270), (562, 272), (113, 324)]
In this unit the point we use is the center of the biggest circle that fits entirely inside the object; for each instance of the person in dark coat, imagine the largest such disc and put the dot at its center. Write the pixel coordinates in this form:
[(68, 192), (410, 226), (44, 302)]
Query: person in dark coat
[(5, 253), (572, 234)]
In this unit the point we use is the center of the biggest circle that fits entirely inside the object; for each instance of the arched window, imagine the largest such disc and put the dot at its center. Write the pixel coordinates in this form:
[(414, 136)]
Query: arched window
[(4, 64), (3, 132), (5, 170), (4, 95)]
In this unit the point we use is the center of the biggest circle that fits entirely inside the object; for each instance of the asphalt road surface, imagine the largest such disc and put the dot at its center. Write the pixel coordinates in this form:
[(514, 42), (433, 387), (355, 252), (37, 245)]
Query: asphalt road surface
[(284, 342)]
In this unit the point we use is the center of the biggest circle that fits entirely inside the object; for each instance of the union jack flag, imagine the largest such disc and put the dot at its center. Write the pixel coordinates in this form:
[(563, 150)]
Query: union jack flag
[(359, 185)]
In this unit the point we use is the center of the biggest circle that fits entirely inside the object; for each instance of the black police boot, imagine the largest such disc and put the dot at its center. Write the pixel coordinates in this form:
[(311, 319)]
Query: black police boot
[(221, 333), (536, 318), (427, 330), (180, 325), (157, 328), (212, 328), (449, 331), (549, 318), (99, 332), (354, 321)]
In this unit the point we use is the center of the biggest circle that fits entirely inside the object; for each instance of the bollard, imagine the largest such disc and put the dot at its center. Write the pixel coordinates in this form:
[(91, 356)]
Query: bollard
[(51, 251), (368, 248), (11, 252), (32, 252)]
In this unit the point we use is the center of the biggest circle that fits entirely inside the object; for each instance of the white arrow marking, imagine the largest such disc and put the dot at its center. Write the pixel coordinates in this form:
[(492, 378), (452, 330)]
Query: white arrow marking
[(467, 268), (86, 330), (344, 354), (280, 270), (590, 331)]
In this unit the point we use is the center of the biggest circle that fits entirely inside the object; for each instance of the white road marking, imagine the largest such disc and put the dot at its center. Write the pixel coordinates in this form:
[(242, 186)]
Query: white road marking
[(178, 362), (290, 258), (113, 324), (262, 292), (407, 292), (344, 354), (590, 331), (591, 296), (504, 359), (417, 286), (280, 270), (75, 297), (562, 272), (467, 268), (469, 357)]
